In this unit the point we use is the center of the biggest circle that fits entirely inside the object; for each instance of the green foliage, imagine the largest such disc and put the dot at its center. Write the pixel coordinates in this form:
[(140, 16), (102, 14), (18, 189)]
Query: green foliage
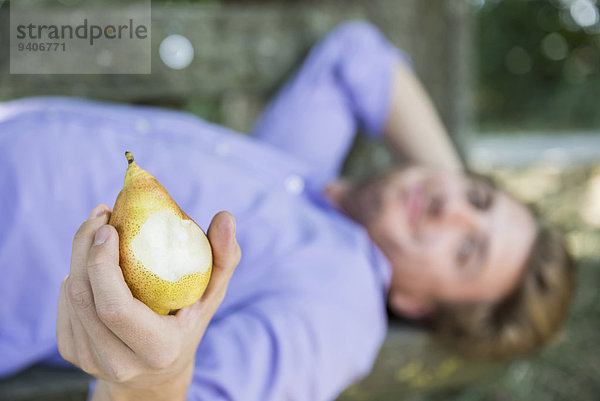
[(537, 69)]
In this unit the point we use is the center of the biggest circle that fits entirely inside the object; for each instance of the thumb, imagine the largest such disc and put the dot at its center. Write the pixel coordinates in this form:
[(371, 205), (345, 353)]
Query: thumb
[(106, 277), (226, 255), (105, 246)]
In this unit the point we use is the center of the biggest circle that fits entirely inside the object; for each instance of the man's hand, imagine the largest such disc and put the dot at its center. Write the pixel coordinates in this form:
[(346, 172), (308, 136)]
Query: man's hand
[(134, 352)]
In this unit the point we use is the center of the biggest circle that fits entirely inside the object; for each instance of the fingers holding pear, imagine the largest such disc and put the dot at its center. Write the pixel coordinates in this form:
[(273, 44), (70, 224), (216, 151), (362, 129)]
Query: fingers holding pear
[(114, 305), (84, 237), (75, 288), (81, 336), (112, 297)]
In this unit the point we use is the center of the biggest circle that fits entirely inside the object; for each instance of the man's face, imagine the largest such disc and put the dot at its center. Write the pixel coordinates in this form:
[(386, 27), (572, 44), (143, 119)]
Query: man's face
[(449, 237)]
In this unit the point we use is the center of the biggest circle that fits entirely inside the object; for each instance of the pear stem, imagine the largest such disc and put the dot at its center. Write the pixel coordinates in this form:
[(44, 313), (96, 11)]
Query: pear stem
[(129, 157)]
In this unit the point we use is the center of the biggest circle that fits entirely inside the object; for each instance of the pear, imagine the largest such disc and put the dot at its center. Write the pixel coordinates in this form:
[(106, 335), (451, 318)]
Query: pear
[(165, 256)]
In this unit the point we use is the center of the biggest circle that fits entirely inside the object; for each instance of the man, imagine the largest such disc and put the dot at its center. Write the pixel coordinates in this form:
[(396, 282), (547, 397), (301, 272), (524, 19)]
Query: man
[(304, 313)]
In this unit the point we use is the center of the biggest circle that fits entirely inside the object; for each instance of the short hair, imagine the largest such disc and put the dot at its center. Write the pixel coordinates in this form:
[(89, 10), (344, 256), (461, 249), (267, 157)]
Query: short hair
[(529, 316)]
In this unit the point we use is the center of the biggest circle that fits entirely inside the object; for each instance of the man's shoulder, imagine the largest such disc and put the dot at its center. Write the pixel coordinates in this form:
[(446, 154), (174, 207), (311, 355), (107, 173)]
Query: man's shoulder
[(313, 253)]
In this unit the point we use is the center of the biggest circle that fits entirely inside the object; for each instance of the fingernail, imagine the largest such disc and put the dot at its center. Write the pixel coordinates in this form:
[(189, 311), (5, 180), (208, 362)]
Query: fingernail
[(101, 235), (98, 211)]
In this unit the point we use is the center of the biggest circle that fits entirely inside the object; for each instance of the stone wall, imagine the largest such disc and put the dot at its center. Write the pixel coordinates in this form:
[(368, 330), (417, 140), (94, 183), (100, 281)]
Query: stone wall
[(245, 51)]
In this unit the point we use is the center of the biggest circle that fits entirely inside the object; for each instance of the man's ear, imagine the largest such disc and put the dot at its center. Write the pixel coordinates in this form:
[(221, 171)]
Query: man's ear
[(410, 306)]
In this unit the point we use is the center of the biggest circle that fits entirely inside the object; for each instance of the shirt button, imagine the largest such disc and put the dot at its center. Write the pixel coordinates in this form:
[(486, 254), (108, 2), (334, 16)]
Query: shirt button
[(294, 184), (222, 149)]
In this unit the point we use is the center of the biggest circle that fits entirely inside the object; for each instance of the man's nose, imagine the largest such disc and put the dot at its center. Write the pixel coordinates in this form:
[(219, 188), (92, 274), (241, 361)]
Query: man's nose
[(460, 213)]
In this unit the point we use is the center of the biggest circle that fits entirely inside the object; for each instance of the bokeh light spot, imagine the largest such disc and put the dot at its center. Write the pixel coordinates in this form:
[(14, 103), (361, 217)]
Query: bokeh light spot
[(555, 46), (176, 51), (584, 13)]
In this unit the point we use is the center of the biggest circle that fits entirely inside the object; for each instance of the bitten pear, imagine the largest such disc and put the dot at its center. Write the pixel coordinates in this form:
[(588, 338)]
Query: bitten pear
[(165, 256)]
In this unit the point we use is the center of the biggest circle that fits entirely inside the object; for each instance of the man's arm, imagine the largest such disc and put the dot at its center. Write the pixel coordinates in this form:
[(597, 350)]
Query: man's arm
[(349, 80), (344, 84), (413, 127)]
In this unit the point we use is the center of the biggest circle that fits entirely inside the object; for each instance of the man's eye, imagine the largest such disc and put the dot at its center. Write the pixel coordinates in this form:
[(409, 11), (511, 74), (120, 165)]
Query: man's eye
[(479, 196), (464, 252)]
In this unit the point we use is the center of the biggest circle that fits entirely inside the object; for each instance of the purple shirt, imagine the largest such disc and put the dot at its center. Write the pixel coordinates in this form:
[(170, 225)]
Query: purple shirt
[(304, 314)]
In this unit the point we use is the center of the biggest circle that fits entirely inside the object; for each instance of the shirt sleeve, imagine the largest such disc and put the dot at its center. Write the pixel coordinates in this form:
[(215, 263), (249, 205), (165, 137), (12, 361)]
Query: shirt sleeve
[(285, 348), (344, 84)]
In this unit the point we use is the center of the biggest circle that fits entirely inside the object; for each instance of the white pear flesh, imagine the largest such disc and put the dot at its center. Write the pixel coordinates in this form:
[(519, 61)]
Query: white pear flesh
[(171, 247)]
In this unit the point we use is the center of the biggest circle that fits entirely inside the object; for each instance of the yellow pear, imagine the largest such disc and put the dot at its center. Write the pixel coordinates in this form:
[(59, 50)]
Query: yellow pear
[(165, 256)]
